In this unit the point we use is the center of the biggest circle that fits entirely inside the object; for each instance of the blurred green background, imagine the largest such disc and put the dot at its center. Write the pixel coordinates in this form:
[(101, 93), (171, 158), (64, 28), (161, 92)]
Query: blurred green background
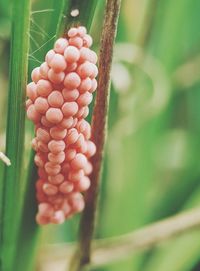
[(151, 167)]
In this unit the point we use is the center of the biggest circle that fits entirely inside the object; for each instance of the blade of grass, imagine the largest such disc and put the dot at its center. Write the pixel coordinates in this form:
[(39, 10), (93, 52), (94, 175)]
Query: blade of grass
[(15, 131)]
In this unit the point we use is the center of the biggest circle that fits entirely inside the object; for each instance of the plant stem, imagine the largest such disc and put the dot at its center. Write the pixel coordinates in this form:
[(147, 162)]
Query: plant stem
[(126, 245), (114, 249), (99, 126), (15, 131)]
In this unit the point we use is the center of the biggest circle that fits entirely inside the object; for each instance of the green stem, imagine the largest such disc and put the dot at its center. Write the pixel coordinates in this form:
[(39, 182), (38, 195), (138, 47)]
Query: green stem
[(15, 131), (99, 127)]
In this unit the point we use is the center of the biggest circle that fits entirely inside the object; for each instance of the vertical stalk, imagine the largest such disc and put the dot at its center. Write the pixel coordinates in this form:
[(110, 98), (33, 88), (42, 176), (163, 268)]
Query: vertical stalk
[(99, 127), (15, 131)]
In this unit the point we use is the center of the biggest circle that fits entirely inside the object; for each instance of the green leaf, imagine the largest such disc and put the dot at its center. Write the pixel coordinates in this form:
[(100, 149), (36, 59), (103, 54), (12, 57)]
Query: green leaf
[(15, 132)]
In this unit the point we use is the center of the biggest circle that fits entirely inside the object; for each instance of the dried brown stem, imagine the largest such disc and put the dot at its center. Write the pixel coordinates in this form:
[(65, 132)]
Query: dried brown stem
[(117, 248), (99, 125)]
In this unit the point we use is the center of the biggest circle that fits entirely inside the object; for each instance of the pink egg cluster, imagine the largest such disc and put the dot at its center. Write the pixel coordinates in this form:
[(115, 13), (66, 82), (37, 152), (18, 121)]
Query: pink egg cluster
[(58, 99)]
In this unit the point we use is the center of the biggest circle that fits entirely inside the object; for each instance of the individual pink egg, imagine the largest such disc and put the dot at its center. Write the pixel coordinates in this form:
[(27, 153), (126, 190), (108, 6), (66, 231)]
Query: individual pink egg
[(88, 169), (56, 158), (77, 202), (84, 99), (72, 32), (60, 45), (69, 109), (42, 220), (39, 160), (39, 183), (70, 95), (56, 179), (56, 146), (71, 54), (54, 115), (87, 41), (66, 123), (84, 54), (83, 184), (72, 80), (41, 105), (58, 133), (49, 56), (55, 99), (31, 91), (44, 88), (95, 71), (32, 114), (58, 217), (52, 168), (82, 125), (85, 69), (82, 148), (75, 175), (28, 103), (45, 209), (45, 122), (86, 131), (86, 85), (70, 154), (76, 41), (44, 68), (71, 67), (43, 135), (91, 149), (43, 147), (94, 86), (72, 136), (80, 113), (79, 161), (66, 187), (93, 57), (50, 189), (80, 142), (35, 75), (75, 122), (66, 208), (82, 31), (56, 77), (34, 144), (86, 112), (58, 63)]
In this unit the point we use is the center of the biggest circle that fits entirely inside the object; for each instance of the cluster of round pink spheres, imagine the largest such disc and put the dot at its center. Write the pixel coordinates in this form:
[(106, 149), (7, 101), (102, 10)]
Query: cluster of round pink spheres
[(58, 100)]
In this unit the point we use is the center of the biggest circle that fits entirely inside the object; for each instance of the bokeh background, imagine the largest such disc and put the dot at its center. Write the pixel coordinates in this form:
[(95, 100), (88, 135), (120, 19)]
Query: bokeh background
[(151, 166)]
